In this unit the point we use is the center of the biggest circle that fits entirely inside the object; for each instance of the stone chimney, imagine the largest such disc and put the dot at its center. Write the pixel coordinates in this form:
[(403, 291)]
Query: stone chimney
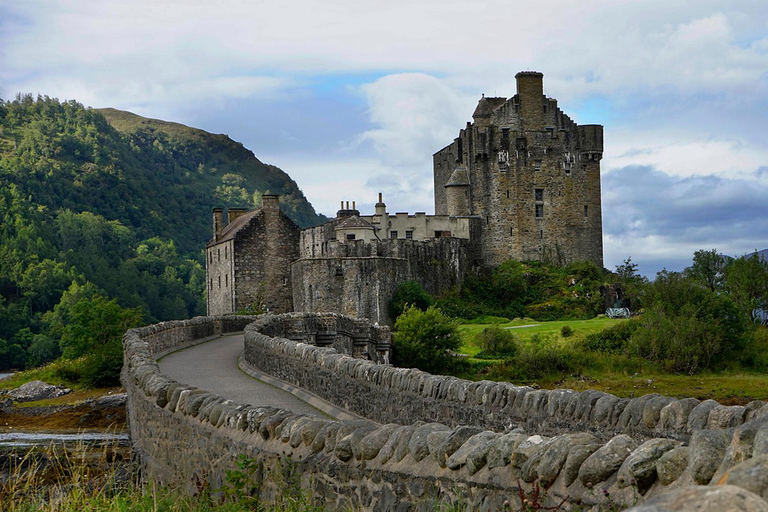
[(346, 211), (530, 91), (233, 213), (381, 208), (218, 223), (270, 202)]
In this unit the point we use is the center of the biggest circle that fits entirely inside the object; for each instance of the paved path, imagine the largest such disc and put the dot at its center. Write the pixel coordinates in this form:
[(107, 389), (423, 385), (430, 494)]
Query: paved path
[(213, 366)]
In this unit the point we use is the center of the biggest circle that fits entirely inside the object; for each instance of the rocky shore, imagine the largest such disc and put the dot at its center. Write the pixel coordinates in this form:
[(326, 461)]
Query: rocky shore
[(18, 409)]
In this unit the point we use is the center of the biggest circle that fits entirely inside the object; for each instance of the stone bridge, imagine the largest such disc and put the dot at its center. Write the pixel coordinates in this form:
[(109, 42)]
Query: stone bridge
[(427, 441)]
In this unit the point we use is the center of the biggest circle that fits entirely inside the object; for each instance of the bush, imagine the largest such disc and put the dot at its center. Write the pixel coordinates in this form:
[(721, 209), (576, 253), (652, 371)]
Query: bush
[(496, 341), (566, 331), (102, 368), (612, 339), (409, 293), (425, 340)]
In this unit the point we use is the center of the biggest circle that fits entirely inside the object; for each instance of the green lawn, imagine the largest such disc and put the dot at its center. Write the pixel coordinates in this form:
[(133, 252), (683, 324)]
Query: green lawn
[(525, 329)]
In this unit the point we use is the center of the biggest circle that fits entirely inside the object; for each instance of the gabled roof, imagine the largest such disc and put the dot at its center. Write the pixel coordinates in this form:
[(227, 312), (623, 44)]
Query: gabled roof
[(230, 230), (486, 106), (354, 222)]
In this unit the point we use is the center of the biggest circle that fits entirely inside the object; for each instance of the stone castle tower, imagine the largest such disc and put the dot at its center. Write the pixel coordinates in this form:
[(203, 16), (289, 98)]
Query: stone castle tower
[(530, 174)]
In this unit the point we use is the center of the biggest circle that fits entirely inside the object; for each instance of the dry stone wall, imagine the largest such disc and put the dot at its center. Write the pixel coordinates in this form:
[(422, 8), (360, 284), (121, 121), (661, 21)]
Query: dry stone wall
[(188, 437)]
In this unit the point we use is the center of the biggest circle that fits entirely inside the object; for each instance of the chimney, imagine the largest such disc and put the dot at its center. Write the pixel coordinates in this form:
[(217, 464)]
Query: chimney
[(233, 213), (218, 223), (381, 208), (530, 91), (270, 202)]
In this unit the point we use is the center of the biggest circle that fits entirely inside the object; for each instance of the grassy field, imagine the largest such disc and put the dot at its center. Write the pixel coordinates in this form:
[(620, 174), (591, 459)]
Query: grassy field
[(620, 375)]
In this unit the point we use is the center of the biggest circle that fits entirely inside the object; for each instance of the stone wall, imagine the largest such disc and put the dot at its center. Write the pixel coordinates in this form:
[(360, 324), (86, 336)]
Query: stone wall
[(358, 278), (189, 437), (220, 273)]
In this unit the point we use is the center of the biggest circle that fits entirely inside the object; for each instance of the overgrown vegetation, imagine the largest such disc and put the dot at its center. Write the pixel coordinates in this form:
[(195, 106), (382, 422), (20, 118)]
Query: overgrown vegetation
[(702, 320), (529, 289), (100, 206)]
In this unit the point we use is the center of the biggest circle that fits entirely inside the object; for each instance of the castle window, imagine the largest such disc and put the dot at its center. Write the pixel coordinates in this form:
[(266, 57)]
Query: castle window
[(393, 234), (210, 256), (409, 235), (511, 231), (539, 211), (211, 284), (226, 276), (505, 138), (537, 165), (538, 194), (225, 252), (339, 271), (350, 236), (219, 254), (568, 170), (586, 210), (507, 194), (219, 282)]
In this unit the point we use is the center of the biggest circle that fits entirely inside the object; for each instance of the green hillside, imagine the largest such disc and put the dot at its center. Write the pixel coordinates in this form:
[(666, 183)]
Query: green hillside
[(104, 212)]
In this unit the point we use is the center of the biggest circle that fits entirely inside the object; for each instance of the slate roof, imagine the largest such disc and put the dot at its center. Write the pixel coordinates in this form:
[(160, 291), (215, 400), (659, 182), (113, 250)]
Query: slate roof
[(486, 106), (354, 222), (458, 178), (230, 230)]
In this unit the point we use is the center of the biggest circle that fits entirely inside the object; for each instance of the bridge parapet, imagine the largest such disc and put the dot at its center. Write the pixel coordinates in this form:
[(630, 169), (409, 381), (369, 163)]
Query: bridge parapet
[(186, 436)]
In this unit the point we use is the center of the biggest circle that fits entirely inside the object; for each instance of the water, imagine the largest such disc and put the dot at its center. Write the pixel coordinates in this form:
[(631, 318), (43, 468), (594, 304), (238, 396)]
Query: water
[(4, 375), (68, 439)]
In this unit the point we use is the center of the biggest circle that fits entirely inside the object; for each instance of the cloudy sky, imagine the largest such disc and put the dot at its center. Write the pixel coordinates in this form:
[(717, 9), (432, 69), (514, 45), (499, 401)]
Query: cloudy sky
[(352, 97)]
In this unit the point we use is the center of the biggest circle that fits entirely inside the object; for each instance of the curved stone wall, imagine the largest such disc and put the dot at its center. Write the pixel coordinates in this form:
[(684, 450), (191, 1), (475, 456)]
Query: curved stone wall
[(187, 436)]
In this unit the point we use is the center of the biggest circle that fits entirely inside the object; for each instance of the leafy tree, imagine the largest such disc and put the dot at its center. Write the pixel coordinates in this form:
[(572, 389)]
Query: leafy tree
[(95, 323), (707, 268), (409, 293), (686, 327), (746, 281), (425, 339)]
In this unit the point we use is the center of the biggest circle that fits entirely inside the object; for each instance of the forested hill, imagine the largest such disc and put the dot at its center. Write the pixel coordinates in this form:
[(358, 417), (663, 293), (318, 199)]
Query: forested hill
[(103, 205)]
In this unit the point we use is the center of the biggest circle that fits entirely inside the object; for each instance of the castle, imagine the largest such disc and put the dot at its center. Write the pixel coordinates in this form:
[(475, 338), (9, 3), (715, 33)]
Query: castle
[(522, 181)]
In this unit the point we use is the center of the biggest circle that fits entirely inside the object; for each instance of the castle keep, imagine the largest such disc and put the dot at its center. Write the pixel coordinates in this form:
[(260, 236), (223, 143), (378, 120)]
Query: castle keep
[(522, 182), (530, 173)]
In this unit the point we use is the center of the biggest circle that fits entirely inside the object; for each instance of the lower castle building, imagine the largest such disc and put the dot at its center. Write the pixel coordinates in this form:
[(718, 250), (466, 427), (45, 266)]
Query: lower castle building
[(521, 182)]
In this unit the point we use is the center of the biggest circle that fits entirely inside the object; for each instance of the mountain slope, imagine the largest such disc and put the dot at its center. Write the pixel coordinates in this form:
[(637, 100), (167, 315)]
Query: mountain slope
[(112, 205)]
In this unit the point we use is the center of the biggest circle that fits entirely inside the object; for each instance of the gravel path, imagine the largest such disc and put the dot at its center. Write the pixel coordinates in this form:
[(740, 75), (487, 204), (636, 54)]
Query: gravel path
[(213, 366)]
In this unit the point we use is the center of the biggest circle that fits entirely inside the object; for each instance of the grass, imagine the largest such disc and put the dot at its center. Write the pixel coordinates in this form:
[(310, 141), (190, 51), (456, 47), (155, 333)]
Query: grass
[(51, 373), (526, 328), (619, 375)]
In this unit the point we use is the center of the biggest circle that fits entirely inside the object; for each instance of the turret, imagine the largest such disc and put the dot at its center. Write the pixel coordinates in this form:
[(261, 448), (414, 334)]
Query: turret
[(457, 193)]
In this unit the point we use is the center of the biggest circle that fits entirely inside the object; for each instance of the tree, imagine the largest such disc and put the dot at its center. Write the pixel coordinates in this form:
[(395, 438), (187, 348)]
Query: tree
[(425, 339), (746, 281), (409, 293), (94, 324), (707, 269)]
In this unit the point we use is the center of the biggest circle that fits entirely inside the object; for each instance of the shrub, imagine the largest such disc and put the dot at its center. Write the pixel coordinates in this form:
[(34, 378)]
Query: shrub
[(102, 367), (496, 341), (537, 362), (612, 339), (566, 331), (425, 340), (409, 293)]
